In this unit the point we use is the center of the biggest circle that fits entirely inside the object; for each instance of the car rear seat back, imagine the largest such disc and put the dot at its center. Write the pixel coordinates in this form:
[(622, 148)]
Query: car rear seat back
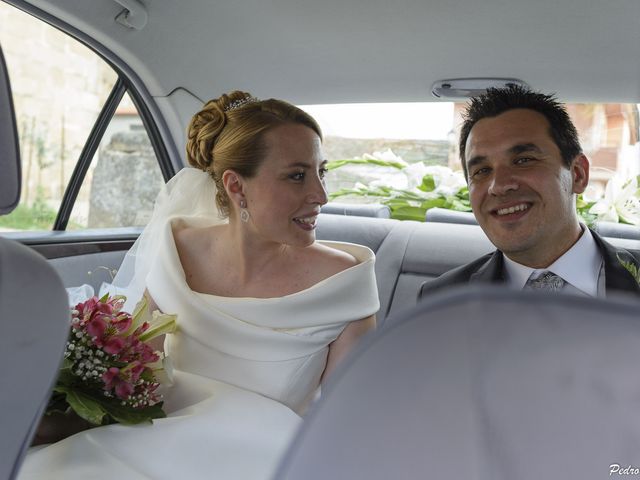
[(407, 253), (34, 317), (410, 253)]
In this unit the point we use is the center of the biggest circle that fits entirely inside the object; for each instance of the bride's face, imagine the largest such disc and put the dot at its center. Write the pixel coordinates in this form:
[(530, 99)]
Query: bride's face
[(285, 195)]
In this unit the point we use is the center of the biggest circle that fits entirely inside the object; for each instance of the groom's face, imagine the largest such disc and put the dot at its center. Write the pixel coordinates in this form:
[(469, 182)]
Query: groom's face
[(521, 191)]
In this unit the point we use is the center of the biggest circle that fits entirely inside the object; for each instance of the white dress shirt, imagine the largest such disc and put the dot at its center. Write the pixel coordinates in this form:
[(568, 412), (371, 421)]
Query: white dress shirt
[(581, 267)]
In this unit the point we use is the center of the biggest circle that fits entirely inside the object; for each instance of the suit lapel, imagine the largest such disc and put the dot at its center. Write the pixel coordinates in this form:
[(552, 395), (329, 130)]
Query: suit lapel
[(616, 276), (491, 272)]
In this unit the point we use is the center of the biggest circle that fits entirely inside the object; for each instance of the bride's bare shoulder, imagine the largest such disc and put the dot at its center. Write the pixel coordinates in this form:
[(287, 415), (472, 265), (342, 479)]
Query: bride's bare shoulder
[(331, 259), (194, 241)]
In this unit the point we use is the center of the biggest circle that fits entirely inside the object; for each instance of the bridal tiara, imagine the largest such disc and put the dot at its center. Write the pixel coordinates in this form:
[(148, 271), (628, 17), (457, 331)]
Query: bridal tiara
[(240, 103)]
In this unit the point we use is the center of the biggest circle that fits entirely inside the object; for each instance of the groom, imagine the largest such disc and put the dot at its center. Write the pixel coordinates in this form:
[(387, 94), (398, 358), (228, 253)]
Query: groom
[(524, 166)]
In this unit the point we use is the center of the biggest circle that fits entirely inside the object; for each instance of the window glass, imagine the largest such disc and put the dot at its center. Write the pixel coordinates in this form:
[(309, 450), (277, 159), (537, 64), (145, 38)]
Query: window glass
[(409, 132), (124, 179), (59, 88), (406, 155)]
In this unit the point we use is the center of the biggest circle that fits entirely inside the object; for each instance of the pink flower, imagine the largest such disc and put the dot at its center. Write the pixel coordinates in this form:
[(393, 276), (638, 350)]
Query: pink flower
[(148, 355), (96, 327), (109, 377), (123, 389), (126, 371), (113, 345), (113, 380), (102, 308), (134, 370), (122, 322), (116, 303)]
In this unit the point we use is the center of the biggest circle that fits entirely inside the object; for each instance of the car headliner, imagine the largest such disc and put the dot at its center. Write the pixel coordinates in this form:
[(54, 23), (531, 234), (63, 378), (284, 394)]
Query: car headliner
[(334, 51)]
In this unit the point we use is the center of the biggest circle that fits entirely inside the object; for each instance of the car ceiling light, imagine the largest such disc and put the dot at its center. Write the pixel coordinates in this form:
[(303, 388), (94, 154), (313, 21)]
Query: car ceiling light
[(470, 87)]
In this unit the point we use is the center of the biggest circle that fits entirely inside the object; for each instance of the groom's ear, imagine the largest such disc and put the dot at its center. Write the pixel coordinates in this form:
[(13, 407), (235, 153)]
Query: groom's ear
[(580, 173), (234, 185)]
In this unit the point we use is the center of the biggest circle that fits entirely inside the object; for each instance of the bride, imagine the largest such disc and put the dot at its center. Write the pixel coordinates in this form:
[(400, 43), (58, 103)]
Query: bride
[(265, 311)]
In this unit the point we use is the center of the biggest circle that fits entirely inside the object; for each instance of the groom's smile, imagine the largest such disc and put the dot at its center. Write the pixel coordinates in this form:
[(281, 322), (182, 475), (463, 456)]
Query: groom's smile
[(520, 189)]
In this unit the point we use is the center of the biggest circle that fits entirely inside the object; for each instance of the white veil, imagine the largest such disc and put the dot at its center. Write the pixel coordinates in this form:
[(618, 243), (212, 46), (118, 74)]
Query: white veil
[(190, 193)]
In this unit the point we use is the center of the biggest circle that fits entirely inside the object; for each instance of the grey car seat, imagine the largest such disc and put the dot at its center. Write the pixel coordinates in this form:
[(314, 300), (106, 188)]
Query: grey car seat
[(34, 315), (476, 384)]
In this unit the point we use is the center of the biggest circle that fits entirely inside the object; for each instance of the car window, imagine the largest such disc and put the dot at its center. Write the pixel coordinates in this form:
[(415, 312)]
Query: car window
[(405, 156), (123, 180), (62, 90)]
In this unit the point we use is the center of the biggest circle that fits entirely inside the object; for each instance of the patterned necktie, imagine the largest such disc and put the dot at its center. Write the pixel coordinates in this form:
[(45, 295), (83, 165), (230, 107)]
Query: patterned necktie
[(547, 281)]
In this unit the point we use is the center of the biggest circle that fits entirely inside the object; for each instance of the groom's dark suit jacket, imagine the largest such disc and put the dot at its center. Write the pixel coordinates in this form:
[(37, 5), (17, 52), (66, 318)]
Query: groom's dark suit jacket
[(489, 269)]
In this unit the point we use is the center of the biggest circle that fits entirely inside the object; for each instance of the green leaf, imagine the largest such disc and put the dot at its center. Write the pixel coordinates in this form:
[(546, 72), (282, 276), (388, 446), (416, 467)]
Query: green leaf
[(395, 203), (100, 410), (85, 406), (631, 267), (463, 193), (454, 203), (588, 218), (409, 213), (353, 191), (582, 204), (65, 377), (428, 183), (434, 202), (130, 416), (57, 403), (332, 165)]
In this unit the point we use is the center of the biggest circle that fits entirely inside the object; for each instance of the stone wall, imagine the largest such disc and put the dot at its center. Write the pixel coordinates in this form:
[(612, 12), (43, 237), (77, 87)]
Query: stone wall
[(125, 182)]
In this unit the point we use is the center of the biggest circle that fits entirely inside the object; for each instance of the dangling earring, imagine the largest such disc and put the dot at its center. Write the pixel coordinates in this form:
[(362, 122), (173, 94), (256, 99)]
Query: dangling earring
[(244, 213)]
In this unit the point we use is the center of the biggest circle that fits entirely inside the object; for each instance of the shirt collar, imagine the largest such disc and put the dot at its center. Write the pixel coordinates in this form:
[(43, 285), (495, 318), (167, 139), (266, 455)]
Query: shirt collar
[(579, 266)]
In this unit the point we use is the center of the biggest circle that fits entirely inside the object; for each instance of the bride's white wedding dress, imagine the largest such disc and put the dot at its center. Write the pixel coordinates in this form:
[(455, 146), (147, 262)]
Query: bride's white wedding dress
[(244, 369)]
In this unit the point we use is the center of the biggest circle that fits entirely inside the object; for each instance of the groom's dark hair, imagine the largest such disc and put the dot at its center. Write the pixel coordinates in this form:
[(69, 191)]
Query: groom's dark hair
[(499, 100)]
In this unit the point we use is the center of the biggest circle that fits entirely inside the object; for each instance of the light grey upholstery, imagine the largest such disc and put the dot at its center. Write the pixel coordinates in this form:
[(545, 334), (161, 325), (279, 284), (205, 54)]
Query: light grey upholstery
[(10, 176), (606, 229), (34, 320), (361, 210), (34, 316), (444, 215), (409, 253), (617, 230), (91, 269), (477, 385)]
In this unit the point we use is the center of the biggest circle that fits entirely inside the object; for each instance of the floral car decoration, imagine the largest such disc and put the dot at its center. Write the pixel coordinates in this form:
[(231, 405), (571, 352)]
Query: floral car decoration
[(410, 189)]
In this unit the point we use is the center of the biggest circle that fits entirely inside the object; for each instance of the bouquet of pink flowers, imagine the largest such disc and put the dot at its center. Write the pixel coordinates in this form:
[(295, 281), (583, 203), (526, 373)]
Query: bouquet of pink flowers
[(109, 372)]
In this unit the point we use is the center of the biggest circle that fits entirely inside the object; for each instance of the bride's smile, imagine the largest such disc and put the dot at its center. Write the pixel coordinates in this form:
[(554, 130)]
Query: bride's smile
[(284, 197)]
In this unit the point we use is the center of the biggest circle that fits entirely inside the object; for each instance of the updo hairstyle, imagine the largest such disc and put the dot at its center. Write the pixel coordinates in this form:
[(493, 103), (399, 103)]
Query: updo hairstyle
[(228, 133)]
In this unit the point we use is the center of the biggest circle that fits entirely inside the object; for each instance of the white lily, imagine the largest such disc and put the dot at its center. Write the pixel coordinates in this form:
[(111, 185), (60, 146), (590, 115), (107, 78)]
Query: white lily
[(163, 370), (392, 178), (592, 193), (387, 156), (448, 182), (414, 173), (621, 201)]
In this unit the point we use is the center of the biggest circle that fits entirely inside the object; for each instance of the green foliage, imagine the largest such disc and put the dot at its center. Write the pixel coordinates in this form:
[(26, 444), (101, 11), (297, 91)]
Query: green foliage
[(38, 216), (100, 410), (631, 267), (428, 184), (89, 402), (620, 203), (333, 164), (582, 207), (407, 203)]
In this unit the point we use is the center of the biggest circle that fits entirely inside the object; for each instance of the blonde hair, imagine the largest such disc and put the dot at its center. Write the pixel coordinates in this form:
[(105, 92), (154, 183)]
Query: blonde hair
[(228, 134)]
